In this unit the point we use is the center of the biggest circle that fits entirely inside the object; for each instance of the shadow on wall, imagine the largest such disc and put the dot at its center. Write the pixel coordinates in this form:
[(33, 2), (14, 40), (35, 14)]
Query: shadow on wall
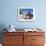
[(2, 26)]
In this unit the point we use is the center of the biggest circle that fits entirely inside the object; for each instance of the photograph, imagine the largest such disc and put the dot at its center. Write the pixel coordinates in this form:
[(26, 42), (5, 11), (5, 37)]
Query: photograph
[(22, 23), (26, 14)]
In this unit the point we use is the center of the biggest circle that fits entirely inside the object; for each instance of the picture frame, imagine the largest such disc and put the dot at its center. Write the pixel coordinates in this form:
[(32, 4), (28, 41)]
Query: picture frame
[(26, 14)]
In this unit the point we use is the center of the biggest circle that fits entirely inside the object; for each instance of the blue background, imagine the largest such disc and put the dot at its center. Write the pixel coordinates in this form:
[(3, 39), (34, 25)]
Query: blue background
[(8, 13)]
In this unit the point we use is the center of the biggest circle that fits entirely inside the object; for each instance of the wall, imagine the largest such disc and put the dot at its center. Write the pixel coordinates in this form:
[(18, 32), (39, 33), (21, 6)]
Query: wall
[(9, 13)]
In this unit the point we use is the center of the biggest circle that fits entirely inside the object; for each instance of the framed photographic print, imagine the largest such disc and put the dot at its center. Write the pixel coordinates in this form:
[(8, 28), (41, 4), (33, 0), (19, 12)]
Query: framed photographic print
[(26, 14)]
